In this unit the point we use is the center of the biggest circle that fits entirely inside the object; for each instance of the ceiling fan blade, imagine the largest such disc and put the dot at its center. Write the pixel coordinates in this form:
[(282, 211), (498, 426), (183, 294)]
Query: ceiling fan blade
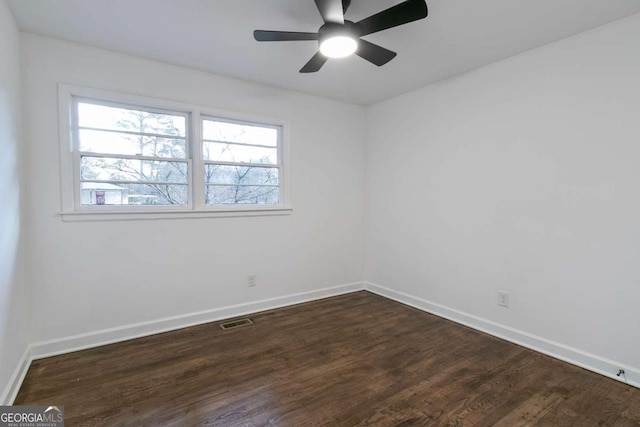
[(403, 13), (314, 64), (345, 6), (331, 11), (282, 36), (373, 53)]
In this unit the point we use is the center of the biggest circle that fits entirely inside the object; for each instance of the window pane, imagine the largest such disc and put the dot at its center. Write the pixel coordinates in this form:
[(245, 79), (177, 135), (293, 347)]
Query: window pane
[(113, 118), (220, 195), (117, 143), (239, 153), (213, 130), (219, 174), (133, 194), (107, 169)]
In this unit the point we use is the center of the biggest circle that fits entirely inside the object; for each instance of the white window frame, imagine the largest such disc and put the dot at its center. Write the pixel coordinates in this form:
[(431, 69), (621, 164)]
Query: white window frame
[(71, 208), (77, 155), (278, 166)]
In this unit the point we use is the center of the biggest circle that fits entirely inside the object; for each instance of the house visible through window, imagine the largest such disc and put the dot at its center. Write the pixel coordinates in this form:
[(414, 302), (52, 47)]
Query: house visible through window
[(134, 156)]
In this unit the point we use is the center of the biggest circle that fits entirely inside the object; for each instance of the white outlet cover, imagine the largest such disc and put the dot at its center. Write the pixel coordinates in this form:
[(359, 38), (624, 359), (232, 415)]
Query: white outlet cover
[(503, 299)]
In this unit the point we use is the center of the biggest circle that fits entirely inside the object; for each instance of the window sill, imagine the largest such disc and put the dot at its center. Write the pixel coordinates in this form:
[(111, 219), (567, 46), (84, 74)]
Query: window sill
[(91, 216)]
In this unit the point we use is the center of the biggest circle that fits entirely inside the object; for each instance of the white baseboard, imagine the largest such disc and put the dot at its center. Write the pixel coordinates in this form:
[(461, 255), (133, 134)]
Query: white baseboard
[(11, 391), (556, 350), (69, 344)]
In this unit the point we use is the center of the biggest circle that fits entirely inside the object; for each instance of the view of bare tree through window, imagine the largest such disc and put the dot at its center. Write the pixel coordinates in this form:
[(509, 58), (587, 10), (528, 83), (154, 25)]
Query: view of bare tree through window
[(240, 163), (129, 156)]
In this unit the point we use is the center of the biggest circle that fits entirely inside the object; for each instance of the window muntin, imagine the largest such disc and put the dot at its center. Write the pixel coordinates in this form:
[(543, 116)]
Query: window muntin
[(130, 155), (241, 162)]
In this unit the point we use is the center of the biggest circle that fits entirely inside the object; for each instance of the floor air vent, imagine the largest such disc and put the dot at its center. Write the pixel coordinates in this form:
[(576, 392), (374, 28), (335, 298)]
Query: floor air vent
[(235, 324)]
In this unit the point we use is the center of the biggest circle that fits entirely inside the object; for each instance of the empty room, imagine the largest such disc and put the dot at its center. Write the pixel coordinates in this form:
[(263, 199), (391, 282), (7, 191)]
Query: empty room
[(319, 213)]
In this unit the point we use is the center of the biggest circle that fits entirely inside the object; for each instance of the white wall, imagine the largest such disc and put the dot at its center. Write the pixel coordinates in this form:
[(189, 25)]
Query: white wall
[(14, 297), (92, 276), (523, 176)]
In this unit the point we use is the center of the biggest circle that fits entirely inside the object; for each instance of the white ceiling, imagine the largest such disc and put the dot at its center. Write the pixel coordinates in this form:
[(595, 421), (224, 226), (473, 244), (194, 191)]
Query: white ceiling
[(216, 36)]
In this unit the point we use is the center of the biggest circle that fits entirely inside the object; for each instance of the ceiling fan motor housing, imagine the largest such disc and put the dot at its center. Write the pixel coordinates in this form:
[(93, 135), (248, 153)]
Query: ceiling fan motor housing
[(330, 29)]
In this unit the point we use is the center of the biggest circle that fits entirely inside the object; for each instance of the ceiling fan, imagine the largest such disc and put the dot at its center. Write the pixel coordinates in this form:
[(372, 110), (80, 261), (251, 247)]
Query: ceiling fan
[(339, 38)]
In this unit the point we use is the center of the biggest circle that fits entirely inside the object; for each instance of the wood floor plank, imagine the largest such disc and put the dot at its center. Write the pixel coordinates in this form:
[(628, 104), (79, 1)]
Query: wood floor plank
[(352, 360)]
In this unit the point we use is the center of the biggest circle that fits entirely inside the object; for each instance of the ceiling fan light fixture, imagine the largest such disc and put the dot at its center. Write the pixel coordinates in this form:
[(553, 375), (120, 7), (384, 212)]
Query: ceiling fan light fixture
[(339, 46)]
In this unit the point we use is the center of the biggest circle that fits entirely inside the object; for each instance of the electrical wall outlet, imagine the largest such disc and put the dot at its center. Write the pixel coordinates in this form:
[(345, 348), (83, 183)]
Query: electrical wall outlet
[(251, 280), (503, 298)]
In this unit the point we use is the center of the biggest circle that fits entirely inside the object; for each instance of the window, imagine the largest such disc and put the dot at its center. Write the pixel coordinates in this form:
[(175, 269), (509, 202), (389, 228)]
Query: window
[(133, 155), (241, 162)]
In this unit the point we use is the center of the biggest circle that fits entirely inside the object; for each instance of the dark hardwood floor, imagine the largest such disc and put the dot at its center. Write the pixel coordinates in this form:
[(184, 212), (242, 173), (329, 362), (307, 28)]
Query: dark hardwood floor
[(357, 359)]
